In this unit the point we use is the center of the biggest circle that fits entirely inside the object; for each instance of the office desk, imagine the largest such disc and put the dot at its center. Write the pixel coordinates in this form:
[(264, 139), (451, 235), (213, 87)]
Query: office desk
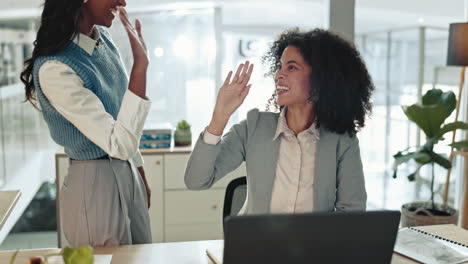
[(194, 252)]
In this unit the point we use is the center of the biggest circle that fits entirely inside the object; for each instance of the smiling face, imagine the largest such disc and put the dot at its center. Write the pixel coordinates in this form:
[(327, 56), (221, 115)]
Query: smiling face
[(101, 12), (292, 78)]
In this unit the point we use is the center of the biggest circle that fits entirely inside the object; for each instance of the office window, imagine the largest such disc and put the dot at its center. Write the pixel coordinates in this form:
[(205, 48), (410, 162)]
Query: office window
[(24, 137), (401, 76)]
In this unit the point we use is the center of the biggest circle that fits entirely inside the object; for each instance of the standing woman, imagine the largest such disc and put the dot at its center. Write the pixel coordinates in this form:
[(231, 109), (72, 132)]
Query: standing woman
[(97, 114), (305, 158)]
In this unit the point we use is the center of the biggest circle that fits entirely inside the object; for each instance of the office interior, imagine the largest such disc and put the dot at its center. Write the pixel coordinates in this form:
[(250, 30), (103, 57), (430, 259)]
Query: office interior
[(192, 45)]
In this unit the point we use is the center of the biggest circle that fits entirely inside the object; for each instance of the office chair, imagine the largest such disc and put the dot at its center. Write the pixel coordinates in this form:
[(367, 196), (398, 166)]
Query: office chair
[(236, 193)]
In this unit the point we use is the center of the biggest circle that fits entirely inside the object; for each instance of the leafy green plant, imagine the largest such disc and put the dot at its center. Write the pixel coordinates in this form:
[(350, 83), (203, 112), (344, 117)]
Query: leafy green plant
[(430, 116), (461, 145), (183, 125)]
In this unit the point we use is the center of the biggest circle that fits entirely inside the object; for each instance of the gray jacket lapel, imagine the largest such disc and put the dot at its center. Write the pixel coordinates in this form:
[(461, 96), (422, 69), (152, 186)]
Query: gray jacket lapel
[(272, 156), (325, 170), (264, 164)]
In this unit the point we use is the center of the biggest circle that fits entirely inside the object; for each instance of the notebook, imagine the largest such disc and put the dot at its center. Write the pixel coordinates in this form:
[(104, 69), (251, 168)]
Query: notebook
[(429, 248)]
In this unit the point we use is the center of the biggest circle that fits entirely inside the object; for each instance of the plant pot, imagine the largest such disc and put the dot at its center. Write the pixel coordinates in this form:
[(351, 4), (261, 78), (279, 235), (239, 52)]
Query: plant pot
[(182, 137), (421, 213)]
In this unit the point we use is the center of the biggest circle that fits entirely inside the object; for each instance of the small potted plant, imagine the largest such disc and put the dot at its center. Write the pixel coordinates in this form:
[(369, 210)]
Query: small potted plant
[(429, 116), (182, 134)]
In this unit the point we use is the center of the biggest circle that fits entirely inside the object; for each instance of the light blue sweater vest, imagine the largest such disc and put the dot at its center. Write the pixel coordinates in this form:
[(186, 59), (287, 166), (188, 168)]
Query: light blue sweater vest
[(103, 74)]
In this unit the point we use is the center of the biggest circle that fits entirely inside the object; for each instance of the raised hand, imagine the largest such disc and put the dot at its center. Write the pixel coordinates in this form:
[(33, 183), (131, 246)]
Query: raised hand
[(139, 50), (230, 96)]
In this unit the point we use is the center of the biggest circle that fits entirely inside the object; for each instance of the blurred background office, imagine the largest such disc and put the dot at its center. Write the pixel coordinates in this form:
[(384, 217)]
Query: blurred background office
[(192, 45)]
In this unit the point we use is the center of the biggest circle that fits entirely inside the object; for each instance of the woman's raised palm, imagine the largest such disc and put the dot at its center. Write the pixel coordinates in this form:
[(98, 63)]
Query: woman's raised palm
[(139, 50), (233, 92)]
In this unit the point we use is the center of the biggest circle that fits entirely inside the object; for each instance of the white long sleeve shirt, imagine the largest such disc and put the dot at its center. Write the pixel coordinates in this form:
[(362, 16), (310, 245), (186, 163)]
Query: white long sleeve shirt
[(65, 91)]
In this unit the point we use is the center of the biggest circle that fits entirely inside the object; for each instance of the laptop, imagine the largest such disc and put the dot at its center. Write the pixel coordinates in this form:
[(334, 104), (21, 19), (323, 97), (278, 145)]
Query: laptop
[(333, 237)]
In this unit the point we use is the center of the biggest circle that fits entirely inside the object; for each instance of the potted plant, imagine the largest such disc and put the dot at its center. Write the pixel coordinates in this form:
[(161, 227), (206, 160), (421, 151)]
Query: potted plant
[(429, 116), (183, 135)]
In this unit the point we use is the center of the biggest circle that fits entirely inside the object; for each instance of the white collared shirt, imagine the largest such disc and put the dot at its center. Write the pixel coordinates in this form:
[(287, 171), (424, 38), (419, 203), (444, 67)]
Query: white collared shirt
[(293, 185), (65, 91)]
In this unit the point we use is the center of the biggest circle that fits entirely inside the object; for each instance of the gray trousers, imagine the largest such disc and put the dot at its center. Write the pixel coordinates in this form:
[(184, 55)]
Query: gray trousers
[(104, 203)]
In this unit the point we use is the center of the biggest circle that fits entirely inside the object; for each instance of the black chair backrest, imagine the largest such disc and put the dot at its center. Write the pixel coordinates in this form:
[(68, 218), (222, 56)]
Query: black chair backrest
[(236, 193)]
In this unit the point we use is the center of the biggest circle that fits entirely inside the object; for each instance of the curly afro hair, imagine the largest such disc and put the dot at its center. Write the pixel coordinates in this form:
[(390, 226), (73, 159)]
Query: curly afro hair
[(340, 85)]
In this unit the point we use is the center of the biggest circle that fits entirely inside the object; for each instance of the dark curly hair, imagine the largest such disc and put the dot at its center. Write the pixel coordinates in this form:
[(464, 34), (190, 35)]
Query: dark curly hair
[(340, 85)]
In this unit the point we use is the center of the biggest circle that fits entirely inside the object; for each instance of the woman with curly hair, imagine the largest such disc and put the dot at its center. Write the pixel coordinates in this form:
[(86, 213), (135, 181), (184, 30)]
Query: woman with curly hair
[(305, 158)]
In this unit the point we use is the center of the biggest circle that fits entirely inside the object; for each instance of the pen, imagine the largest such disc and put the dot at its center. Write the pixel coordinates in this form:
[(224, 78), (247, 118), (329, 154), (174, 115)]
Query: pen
[(212, 257)]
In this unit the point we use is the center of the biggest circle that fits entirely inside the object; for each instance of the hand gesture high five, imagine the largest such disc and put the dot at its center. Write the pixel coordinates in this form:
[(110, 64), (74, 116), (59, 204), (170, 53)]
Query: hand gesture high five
[(230, 96), (139, 50), (137, 81)]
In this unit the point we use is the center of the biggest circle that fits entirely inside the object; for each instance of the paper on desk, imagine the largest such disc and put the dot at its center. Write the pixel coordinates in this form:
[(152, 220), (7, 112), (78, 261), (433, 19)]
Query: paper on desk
[(98, 259), (429, 249), (102, 259)]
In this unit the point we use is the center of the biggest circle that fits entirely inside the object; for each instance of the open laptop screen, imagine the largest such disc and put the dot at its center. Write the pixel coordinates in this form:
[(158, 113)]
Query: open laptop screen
[(334, 237)]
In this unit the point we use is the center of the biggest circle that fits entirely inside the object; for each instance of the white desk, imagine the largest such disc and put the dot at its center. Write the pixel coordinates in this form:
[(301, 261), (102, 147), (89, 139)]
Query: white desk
[(164, 253), (195, 252)]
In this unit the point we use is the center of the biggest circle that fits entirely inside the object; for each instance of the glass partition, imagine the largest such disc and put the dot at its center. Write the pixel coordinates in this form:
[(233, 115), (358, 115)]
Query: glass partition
[(404, 64)]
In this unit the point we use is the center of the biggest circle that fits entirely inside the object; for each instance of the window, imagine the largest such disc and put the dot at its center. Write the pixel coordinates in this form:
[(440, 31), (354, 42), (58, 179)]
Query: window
[(401, 77)]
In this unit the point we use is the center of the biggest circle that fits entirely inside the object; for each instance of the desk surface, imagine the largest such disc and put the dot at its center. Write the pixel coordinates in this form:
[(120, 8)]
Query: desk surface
[(194, 252), (8, 201)]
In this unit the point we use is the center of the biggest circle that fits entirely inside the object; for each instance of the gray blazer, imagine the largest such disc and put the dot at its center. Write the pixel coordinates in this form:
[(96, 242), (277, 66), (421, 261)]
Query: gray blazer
[(339, 178)]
